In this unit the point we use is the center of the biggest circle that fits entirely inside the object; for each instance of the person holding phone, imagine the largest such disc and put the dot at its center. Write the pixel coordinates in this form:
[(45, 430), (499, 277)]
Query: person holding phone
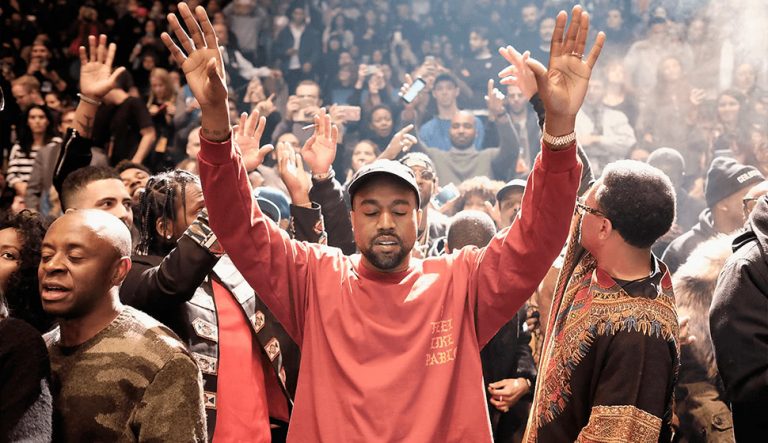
[(381, 332)]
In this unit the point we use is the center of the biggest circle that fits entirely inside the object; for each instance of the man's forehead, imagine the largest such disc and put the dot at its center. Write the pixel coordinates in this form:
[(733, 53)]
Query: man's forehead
[(132, 172), (106, 188)]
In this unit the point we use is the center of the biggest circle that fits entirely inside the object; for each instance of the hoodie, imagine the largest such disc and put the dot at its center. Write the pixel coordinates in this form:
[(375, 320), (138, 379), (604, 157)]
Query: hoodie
[(680, 248)]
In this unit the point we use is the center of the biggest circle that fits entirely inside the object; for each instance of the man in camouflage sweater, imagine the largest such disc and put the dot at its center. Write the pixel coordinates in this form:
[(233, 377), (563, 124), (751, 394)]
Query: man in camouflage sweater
[(118, 374)]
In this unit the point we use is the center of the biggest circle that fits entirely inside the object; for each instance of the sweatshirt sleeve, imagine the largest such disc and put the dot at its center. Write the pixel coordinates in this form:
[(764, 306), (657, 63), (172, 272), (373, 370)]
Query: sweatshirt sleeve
[(275, 266), (508, 270)]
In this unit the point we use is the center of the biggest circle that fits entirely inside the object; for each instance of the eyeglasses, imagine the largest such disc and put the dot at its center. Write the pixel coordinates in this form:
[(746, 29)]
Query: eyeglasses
[(584, 208), (748, 204), (424, 174)]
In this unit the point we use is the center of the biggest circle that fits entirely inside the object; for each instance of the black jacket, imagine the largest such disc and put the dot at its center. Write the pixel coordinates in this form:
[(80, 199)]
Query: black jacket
[(678, 251), (739, 326), (509, 355)]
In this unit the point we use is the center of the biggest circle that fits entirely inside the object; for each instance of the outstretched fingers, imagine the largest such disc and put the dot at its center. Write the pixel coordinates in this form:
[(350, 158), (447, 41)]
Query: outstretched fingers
[(594, 53), (110, 55), (569, 46), (209, 35), (260, 126), (175, 51), (556, 46), (181, 35), (581, 37), (92, 48), (101, 49), (195, 33)]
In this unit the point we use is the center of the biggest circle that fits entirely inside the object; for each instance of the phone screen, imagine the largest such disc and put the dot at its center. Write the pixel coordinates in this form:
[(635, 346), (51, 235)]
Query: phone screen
[(412, 92)]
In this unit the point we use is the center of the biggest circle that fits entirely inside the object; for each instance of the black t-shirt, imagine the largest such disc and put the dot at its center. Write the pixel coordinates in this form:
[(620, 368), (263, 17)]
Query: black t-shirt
[(129, 118)]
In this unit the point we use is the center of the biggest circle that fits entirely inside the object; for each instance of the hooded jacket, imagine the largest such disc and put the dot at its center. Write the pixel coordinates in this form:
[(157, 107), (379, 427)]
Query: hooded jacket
[(680, 248)]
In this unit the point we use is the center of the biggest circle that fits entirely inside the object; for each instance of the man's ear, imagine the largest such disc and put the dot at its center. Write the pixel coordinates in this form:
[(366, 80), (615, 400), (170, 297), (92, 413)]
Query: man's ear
[(606, 228), (121, 271), (163, 228)]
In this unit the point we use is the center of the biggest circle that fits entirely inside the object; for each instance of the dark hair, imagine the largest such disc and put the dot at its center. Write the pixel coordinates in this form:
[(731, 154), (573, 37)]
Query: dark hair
[(638, 199), (159, 200), (481, 31), (81, 178), (470, 228), (126, 164), (25, 133), (446, 78), (22, 293)]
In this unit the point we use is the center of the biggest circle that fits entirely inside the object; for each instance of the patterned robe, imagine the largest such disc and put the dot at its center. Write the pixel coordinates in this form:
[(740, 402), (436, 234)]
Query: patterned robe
[(610, 358)]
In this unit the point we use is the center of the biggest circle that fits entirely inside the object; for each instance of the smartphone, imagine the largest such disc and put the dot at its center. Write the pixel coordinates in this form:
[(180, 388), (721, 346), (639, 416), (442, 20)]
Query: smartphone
[(349, 113), (447, 193), (410, 95)]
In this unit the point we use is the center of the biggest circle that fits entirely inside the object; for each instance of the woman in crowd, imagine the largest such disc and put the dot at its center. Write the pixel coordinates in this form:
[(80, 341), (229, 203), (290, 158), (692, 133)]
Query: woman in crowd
[(731, 116), (668, 114), (37, 130), (364, 152), (161, 104), (617, 95)]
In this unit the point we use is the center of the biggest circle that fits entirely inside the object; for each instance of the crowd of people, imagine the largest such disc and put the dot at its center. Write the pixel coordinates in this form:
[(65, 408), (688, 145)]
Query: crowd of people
[(260, 220)]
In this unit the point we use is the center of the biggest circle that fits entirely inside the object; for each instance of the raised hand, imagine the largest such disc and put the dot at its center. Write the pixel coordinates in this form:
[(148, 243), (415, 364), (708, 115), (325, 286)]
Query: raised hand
[(291, 169), (563, 85), (519, 74), (402, 141), (320, 150), (96, 76), (202, 68), (495, 101), (247, 135)]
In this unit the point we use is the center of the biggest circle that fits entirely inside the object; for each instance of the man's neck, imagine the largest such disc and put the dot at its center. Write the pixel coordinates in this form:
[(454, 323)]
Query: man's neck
[(518, 116), (723, 225), (447, 113), (625, 262), (483, 54), (424, 224), (77, 331)]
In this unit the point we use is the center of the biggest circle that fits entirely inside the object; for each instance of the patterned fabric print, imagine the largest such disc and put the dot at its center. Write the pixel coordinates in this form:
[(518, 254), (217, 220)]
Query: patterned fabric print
[(200, 231), (628, 422), (585, 312)]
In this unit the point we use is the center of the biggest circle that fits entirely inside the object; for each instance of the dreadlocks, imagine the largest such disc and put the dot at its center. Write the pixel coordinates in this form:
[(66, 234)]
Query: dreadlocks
[(158, 201)]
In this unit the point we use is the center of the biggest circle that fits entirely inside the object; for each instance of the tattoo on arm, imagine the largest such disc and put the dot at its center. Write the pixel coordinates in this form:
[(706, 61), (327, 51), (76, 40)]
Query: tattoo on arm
[(86, 124)]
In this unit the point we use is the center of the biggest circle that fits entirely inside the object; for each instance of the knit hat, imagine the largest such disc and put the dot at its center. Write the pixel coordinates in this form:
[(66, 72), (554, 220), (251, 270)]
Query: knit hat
[(727, 177), (277, 197)]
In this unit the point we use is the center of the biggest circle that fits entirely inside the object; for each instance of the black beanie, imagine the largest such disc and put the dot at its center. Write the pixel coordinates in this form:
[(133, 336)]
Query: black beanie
[(727, 177)]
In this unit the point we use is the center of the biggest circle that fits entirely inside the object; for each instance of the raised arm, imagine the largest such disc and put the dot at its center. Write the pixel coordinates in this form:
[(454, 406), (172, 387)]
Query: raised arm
[(516, 260), (96, 80), (274, 265), (509, 142)]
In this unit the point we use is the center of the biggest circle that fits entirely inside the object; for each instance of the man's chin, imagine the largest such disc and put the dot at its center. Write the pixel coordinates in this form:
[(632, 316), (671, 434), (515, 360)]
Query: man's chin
[(386, 261)]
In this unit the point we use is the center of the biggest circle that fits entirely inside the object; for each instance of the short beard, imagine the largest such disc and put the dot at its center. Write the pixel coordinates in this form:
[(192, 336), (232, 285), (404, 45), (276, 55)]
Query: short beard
[(385, 262)]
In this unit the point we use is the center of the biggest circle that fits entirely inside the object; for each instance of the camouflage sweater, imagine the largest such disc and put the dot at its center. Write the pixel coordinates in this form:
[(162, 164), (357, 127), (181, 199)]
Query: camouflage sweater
[(133, 381)]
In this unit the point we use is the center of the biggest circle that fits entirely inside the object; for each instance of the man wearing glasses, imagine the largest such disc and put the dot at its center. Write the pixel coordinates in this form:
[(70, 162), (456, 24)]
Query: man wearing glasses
[(610, 358), (434, 225)]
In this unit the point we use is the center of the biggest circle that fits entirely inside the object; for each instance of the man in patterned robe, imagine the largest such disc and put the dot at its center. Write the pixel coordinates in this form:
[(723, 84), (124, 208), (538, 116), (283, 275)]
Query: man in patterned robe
[(611, 352)]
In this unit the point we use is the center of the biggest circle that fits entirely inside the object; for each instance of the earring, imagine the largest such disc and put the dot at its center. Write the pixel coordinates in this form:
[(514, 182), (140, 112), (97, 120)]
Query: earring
[(168, 236)]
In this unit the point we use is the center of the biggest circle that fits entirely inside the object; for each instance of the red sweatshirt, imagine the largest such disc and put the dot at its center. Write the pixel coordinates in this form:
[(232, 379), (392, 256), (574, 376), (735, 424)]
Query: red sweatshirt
[(390, 357)]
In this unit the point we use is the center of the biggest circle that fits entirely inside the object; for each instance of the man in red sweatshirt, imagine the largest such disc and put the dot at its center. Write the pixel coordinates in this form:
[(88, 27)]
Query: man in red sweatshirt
[(390, 344)]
